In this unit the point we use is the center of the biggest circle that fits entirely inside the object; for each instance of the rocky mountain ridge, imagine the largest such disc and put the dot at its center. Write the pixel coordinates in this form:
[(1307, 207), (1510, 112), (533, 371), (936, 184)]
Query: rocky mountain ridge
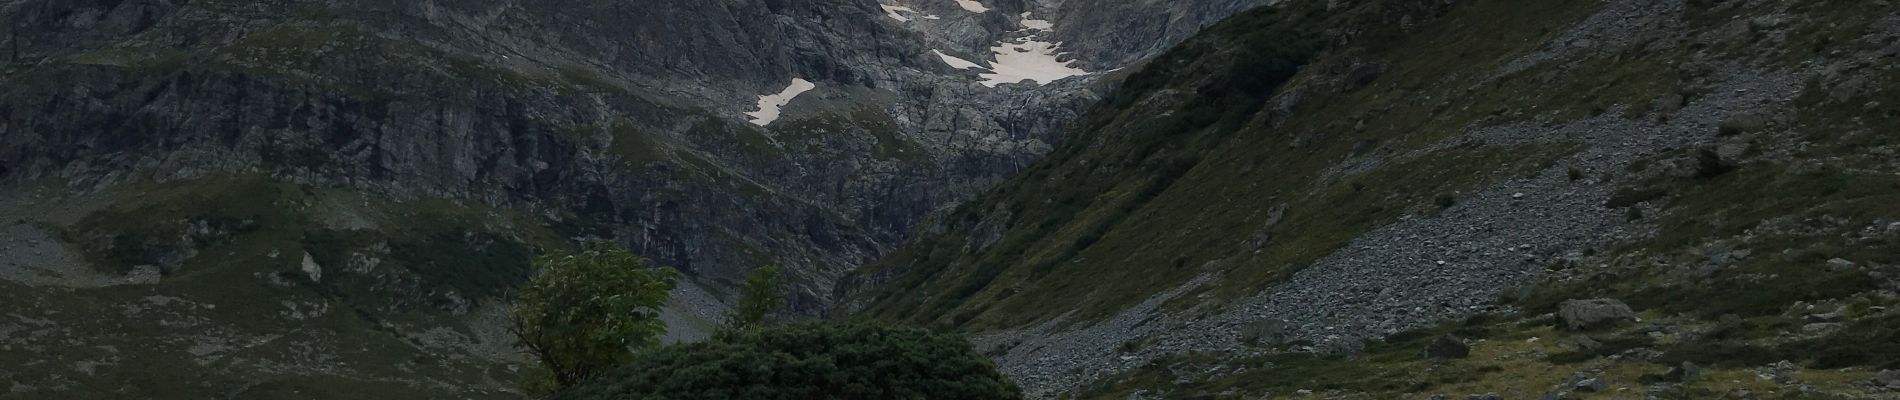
[(377, 172), (1436, 175)]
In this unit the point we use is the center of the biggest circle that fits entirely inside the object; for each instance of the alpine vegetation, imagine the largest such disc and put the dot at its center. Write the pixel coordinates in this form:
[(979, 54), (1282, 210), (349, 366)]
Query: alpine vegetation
[(950, 199)]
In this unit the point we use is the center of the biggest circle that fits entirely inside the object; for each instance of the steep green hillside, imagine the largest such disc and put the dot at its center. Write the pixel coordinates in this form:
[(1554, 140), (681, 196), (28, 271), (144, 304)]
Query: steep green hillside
[(1300, 197), (1187, 163)]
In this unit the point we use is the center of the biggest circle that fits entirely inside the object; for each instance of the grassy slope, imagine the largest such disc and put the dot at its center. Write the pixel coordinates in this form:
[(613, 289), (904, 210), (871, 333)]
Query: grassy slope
[(238, 317), (1093, 229), (1145, 198)]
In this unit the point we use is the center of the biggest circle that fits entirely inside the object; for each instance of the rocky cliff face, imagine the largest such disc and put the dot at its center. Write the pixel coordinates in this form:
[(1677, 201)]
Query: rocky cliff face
[(535, 122), (520, 105)]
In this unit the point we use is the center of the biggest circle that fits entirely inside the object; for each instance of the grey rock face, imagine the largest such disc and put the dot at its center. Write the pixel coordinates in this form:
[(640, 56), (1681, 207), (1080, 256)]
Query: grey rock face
[(619, 119), (1585, 314), (1111, 34)]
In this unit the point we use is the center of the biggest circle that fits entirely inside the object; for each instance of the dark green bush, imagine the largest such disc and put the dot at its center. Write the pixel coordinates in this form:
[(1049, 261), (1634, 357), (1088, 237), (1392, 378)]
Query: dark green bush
[(808, 361)]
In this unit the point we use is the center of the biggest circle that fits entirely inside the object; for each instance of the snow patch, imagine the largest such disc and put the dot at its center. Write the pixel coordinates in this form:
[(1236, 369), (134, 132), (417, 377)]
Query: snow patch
[(955, 62), (972, 6), (1020, 59), (896, 12), (1036, 24), (770, 104), (1028, 59)]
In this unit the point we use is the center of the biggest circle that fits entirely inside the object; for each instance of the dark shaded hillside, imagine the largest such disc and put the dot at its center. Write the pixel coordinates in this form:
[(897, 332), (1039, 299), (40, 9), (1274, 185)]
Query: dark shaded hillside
[(333, 197), (1215, 228), (1168, 132)]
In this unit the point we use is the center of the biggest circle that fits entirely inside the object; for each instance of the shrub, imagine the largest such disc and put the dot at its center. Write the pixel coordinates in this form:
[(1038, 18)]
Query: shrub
[(583, 314), (759, 298), (808, 361)]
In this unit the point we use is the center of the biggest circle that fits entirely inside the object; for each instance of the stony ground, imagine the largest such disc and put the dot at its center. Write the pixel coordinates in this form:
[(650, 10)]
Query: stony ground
[(1459, 261)]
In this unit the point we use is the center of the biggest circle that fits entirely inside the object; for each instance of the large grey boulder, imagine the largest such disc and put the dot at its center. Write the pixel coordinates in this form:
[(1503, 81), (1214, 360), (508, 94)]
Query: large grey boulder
[(1593, 313), (1889, 379)]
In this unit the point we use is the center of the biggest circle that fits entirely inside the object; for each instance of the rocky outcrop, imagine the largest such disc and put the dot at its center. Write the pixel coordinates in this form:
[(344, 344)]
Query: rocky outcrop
[(1591, 313)]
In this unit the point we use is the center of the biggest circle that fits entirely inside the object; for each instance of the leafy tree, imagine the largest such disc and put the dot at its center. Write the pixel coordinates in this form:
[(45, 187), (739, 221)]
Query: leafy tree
[(759, 298), (808, 361), (585, 313)]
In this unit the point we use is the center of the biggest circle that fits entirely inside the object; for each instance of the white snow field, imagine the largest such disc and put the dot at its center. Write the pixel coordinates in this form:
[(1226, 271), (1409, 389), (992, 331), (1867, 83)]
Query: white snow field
[(972, 6), (1020, 59), (1029, 59), (1036, 24), (770, 104), (955, 62)]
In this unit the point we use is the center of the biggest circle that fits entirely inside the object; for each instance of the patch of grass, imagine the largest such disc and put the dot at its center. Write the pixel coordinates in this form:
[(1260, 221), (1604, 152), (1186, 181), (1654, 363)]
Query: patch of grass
[(154, 231), (586, 78)]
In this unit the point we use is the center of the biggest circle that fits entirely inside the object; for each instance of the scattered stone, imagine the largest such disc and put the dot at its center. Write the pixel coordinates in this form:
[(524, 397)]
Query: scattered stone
[(1834, 316), (1269, 332), (311, 269), (1838, 265), (143, 275), (1889, 379), (1486, 396), (1447, 347), (1588, 344), (1781, 372), (1591, 385), (1682, 373), (1585, 314), (1346, 347)]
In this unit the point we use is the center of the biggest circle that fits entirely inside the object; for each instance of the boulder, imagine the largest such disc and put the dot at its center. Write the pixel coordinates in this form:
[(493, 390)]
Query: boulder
[(1889, 379), (1592, 313), (311, 269), (1683, 373), (1820, 328), (1447, 347), (1591, 385)]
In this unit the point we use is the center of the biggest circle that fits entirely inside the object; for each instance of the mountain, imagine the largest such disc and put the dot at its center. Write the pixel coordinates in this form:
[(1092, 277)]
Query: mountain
[(333, 198), (1438, 199)]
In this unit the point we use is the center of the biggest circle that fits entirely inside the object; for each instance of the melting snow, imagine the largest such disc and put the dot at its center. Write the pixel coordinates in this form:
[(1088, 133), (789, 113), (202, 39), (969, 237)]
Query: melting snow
[(770, 104), (955, 62), (1036, 24), (1028, 59), (972, 6), (894, 12), (1021, 59)]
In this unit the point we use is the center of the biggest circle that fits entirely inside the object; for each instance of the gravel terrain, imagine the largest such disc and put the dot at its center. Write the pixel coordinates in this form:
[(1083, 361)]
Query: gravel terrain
[(1429, 268)]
